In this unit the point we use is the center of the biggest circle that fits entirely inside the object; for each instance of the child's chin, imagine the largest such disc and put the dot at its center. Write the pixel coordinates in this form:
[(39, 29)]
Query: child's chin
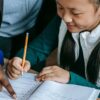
[(74, 31)]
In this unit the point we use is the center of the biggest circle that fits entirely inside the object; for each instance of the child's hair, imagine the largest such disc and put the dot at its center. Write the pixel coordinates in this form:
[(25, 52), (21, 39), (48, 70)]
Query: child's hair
[(95, 2), (67, 56), (93, 66)]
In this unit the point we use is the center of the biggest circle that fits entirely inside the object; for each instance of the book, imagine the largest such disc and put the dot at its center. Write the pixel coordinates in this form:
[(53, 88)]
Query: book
[(27, 88)]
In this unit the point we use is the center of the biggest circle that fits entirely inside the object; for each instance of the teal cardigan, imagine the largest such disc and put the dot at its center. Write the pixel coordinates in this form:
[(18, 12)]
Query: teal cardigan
[(43, 45), (39, 49)]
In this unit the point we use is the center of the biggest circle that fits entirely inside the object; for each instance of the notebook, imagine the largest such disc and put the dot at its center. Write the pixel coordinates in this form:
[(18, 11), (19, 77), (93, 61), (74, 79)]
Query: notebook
[(27, 88)]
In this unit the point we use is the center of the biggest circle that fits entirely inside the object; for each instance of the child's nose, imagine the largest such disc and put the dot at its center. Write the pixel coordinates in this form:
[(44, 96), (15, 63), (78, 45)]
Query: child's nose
[(67, 18)]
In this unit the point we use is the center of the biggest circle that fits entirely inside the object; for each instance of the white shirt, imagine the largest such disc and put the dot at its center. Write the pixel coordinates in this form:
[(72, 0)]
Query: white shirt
[(88, 42)]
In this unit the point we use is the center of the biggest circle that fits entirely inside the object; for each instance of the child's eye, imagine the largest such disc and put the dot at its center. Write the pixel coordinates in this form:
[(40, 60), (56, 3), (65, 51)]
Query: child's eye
[(76, 13), (60, 8)]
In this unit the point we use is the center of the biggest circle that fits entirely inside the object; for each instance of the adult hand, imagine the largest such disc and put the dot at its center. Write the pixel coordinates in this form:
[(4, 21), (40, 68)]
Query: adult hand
[(4, 82)]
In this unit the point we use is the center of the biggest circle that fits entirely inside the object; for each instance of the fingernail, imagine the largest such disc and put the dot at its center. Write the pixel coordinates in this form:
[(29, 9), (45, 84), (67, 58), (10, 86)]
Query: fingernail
[(37, 79), (14, 96)]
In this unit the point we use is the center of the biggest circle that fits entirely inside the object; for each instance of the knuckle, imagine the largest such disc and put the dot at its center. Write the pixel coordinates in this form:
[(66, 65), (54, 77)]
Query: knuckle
[(54, 67), (13, 63), (49, 78)]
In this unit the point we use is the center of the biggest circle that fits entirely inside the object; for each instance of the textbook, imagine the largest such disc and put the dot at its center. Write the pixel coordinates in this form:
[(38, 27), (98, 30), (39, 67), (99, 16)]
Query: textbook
[(27, 88)]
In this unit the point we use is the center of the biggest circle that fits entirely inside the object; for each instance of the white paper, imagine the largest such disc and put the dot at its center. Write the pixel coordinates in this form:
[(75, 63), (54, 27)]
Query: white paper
[(55, 91), (24, 87), (27, 88)]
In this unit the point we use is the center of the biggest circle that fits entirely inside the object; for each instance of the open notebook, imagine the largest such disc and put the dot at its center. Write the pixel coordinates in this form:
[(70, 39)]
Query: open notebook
[(27, 88)]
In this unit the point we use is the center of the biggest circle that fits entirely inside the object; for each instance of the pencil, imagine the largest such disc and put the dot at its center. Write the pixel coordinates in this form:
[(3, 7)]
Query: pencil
[(25, 50)]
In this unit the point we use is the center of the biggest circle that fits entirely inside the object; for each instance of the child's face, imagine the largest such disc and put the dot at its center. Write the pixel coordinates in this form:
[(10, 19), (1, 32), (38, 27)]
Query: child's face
[(79, 15)]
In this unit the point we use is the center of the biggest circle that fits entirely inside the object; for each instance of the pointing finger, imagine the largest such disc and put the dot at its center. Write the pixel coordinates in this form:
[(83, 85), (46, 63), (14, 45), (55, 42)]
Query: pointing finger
[(9, 88)]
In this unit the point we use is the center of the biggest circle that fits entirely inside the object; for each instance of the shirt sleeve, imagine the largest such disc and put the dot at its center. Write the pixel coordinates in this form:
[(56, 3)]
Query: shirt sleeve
[(1, 57), (78, 80), (32, 9), (42, 46)]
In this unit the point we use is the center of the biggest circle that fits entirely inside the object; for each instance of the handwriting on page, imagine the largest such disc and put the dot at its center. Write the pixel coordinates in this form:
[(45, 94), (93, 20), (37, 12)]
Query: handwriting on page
[(24, 87)]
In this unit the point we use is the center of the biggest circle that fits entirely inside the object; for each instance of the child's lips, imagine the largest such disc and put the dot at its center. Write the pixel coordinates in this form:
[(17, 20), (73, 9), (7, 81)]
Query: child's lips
[(70, 26)]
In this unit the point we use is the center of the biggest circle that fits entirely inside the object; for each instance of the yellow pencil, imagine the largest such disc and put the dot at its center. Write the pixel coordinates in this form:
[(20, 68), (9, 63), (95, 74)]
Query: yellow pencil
[(25, 50)]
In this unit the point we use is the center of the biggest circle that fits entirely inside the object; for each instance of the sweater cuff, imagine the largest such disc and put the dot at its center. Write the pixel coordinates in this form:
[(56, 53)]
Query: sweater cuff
[(78, 80)]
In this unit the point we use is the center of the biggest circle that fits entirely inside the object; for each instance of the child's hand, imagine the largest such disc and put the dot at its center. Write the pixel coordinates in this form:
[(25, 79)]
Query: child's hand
[(54, 73), (15, 68)]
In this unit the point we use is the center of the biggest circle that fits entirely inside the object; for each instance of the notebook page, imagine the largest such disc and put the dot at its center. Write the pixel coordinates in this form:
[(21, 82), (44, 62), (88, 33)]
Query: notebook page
[(55, 91), (94, 95), (24, 87)]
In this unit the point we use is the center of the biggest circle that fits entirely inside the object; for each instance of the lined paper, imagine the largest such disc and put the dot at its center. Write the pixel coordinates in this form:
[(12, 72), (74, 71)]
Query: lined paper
[(27, 88), (24, 87), (50, 90)]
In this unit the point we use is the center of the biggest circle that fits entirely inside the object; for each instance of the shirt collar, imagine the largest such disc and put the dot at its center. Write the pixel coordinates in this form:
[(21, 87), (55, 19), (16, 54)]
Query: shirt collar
[(91, 37)]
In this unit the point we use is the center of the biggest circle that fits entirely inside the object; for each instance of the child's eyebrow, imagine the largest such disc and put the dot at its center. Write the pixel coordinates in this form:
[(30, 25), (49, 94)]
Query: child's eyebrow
[(76, 9), (73, 9), (62, 6), (59, 3)]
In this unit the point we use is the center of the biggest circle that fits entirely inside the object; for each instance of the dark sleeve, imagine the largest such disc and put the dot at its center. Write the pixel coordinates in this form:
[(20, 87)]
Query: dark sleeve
[(1, 10), (42, 46), (78, 80)]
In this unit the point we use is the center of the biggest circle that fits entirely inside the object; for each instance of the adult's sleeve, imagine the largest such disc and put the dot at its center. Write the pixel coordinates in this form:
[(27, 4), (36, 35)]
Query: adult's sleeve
[(32, 10)]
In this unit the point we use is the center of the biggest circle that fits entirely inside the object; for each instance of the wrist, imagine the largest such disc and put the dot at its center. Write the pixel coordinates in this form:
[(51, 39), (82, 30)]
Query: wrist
[(69, 78)]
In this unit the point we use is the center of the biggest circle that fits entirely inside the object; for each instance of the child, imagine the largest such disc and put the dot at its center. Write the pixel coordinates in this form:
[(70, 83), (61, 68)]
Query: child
[(78, 46)]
